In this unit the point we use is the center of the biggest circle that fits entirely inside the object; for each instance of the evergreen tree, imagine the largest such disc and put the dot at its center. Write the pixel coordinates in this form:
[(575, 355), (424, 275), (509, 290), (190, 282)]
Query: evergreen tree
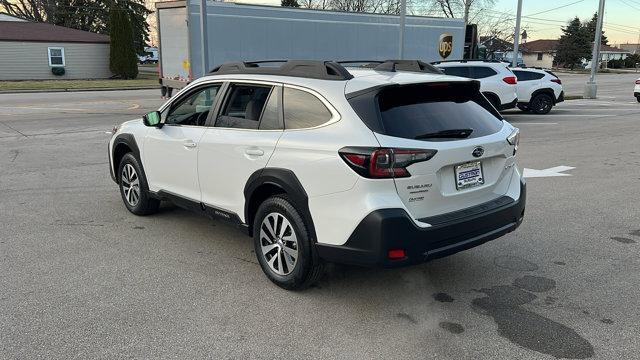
[(574, 45), (122, 56), (290, 3), (591, 28)]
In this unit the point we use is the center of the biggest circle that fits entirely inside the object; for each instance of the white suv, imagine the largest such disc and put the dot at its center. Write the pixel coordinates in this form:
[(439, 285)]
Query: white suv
[(636, 90), (497, 82), (375, 166), (538, 90)]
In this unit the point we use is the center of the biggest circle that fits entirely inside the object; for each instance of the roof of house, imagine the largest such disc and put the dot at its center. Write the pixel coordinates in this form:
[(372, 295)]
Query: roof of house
[(545, 45), (42, 32), (6, 17), (612, 49)]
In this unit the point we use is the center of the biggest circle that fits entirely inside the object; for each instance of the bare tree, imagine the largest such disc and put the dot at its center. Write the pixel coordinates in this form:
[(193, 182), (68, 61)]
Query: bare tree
[(463, 8)]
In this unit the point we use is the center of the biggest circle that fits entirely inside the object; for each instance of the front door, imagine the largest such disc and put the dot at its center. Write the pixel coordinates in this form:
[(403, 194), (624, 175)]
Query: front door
[(171, 152)]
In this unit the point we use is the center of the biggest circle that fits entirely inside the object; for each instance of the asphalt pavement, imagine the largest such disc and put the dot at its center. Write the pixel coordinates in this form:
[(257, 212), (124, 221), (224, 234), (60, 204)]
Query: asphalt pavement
[(83, 278)]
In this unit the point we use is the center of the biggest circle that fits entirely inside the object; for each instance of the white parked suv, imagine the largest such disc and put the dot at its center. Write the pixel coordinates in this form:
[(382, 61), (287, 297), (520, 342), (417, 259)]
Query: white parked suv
[(385, 166), (539, 90), (636, 90), (497, 82)]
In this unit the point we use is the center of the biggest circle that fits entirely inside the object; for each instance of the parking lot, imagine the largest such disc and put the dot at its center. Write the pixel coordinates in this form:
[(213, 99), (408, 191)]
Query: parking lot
[(84, 278)]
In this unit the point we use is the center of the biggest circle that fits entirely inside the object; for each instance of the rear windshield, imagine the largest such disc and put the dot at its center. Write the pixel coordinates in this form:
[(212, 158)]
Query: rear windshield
[(414, 111)]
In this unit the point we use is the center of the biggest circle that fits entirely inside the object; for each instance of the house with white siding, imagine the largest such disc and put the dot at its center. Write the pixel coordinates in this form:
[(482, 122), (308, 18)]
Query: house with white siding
[(33, 51)]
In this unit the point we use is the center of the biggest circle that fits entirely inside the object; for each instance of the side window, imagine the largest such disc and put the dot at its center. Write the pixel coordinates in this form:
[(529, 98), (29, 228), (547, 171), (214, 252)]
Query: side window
[(303, 110), (244, 106), (521, 75), (536, 76), (272, 113), (194, 109), (481, 72), (462, 71)]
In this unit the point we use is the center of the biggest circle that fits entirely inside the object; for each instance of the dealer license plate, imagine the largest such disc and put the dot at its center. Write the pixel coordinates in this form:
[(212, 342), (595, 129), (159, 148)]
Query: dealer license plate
[(469, 175)]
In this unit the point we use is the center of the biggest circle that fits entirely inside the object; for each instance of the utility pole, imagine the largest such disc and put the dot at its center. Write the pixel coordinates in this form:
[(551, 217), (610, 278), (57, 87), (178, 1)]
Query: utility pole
[(403, 15), (516, 37), (591, 88), (204, 39)]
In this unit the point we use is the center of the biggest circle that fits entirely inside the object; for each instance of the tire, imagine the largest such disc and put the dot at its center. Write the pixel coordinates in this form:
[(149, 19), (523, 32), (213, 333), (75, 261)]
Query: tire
[(130, 179), (638, 98), (289, 241), (541, 104), (523, 107)]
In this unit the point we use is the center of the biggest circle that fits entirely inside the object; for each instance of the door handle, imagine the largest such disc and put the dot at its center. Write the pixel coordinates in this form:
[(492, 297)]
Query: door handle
[(254, 152), (189, 144)]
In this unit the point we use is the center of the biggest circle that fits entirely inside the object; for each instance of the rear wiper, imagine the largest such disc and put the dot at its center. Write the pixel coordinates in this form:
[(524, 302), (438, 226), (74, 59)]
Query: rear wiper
[(451, 134)]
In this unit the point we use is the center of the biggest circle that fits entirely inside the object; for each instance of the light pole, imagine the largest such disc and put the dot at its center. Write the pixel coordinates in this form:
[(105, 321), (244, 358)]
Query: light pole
[(591, 88), (403, 15), (516, 37), (203, 37)]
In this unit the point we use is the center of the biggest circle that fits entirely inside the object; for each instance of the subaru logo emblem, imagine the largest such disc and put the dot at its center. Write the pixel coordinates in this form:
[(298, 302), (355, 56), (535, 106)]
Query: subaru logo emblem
[(477, 152)]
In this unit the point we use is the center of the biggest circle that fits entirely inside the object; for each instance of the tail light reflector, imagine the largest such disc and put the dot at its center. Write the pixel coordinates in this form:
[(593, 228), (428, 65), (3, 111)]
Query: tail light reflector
[(396, 254), (383, 163), (557, 81), (511, 80)]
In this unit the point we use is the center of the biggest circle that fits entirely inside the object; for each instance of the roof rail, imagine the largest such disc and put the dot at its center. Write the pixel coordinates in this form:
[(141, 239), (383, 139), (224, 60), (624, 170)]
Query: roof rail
[(396, 65), (465, 61), (313, 69)]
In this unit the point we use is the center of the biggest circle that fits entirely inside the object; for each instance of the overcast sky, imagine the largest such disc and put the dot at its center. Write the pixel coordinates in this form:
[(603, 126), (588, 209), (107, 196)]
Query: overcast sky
[(622, 17)]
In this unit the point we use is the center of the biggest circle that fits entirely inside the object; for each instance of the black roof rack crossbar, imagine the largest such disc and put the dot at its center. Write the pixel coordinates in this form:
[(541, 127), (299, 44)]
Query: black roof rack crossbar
[(313, 69), (396, 65), (466, 60)]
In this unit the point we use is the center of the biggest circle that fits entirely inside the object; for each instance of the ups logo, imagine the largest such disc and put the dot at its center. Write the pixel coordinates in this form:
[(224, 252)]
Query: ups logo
[(445, 45)]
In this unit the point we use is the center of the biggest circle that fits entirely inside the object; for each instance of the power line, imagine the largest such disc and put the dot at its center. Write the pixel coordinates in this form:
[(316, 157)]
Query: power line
[(556, 8)]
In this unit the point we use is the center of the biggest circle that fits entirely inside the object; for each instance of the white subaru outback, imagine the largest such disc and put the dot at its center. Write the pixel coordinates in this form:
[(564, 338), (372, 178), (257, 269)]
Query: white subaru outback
[(390, 165)]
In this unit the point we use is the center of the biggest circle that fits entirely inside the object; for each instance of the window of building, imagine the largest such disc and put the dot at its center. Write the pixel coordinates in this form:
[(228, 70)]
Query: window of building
[(56, 56), (539, 56)]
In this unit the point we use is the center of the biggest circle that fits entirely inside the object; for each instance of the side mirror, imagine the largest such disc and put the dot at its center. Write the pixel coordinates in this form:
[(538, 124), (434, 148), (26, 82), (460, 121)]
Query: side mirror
[(152, 119)]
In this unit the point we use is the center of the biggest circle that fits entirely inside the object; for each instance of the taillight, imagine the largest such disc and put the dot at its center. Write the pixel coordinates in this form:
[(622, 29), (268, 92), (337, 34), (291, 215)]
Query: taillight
[(557, 81), (511, 80), (383, 163), (637, 82)]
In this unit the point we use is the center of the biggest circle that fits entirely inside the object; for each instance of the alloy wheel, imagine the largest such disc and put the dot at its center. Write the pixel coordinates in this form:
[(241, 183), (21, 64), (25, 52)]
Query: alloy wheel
[(130, 184), (279, 243)]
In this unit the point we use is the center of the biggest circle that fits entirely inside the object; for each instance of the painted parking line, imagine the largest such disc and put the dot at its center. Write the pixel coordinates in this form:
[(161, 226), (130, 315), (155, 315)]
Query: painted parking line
[(536, 123)]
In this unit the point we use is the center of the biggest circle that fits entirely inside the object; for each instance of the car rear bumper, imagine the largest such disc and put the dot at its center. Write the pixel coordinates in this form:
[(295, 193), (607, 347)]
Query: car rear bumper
[(393, 229), (508, 106), (560, 98)]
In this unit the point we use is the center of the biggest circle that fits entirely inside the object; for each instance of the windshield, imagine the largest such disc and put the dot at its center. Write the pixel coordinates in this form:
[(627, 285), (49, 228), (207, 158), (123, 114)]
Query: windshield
[(430, 112)]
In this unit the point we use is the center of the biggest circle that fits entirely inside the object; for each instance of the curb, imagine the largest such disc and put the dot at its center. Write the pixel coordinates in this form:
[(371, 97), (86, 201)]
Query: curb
[(574, 97), (25, 91)]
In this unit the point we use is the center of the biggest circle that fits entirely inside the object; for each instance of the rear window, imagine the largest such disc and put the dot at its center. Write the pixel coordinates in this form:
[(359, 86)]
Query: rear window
[(412, 111)]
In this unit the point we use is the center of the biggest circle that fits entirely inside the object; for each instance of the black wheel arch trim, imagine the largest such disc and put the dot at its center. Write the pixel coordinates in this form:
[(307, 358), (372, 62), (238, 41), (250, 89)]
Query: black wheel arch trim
[(547, 91), (130, 141), (286, 180)]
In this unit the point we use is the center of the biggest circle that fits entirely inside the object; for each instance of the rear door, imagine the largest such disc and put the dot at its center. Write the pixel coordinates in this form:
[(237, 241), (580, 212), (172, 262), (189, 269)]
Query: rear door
[(470, 168), (241, 142)]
